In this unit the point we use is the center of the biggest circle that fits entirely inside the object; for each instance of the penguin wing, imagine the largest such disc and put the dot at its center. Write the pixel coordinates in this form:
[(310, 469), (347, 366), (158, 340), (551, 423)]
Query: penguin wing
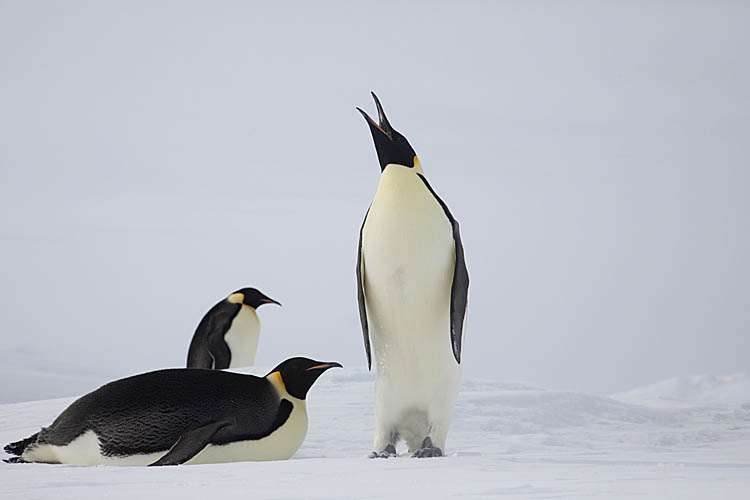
[(219, 351), (209, 349), (361, 296), (192, 442), (459, 291), (460, 284)]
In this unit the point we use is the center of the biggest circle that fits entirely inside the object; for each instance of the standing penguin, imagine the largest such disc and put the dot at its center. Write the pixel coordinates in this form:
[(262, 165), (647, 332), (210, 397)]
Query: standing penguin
[(183, 415), (413, 286), (227, 336)]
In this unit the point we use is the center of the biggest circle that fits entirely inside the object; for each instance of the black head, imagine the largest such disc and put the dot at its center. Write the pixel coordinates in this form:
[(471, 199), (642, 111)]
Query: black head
[(299, 374), (391, 146), (251, 297)]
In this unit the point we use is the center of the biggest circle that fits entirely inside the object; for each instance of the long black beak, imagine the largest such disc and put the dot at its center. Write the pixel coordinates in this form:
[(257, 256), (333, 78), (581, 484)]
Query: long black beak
[(269, 300), (325, 366), (384, 126), (389, 149), (384, 123), (374, 127)]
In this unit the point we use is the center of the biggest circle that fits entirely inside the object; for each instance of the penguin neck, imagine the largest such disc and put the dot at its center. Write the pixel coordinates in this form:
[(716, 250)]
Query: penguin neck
[(417, 168), (277, 381), (398, 183)]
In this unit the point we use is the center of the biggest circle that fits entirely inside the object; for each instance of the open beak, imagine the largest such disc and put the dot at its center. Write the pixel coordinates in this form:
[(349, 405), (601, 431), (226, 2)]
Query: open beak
[(325, 366), (390, 145), (384, 126)]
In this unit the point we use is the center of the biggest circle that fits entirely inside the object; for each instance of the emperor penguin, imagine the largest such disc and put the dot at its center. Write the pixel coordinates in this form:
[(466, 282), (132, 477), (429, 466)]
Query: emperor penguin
[(412, 288), (181, 416), (227, 336)]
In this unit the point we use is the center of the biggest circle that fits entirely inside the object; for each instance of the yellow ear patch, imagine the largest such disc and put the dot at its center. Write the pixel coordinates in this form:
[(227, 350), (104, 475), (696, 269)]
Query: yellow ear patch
[(278, 381), (236, 298), (418, 165)]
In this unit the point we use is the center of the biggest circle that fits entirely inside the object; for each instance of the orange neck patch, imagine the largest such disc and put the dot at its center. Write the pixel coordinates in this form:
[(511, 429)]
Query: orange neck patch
[(278, 379)]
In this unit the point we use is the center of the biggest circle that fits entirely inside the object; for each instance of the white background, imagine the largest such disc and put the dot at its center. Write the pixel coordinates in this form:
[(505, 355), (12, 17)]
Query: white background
[(155, 156)]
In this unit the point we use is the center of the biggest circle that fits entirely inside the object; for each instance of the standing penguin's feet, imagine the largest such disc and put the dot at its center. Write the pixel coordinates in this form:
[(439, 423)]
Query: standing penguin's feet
[(427, 450), (389, 451)]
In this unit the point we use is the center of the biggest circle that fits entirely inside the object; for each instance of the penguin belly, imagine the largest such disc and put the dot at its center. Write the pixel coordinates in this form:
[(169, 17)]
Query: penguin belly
[(408, 260), (85, 450), (281, 444), (242, 337)]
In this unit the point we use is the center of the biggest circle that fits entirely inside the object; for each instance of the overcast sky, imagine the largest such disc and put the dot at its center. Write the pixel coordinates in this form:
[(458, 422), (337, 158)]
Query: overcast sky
[(155, 156)]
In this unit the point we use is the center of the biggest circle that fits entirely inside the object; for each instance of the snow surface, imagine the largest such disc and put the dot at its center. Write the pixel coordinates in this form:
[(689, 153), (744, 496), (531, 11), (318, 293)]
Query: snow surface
[(691, 391), (508, 440)]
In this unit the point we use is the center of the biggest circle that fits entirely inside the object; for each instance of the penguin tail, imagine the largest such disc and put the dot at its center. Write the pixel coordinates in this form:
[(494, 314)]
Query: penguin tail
[(19, 447)]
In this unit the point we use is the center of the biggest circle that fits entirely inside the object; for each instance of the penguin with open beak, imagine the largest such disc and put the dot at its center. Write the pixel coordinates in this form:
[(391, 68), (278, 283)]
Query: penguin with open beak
[(412, 289)]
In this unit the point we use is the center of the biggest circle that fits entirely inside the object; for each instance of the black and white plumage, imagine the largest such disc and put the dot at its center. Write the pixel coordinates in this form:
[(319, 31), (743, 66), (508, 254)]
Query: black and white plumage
[(228, 335), (184, 415), (412, 288)]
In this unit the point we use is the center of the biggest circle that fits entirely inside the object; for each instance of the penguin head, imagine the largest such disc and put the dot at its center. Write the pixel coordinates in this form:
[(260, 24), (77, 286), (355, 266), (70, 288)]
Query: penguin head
[(251, 297), (299, 374), (391, 146)]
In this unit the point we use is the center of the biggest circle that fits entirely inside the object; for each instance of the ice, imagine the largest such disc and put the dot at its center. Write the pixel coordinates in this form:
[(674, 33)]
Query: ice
[(508, 439)]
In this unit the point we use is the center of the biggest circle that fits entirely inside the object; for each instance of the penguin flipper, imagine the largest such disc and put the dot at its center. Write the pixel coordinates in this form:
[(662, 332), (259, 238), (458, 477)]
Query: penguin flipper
[(191, 443), (206, 347), (459, 294), (220, 352), (218, 327), (460, 284), (361, 296)]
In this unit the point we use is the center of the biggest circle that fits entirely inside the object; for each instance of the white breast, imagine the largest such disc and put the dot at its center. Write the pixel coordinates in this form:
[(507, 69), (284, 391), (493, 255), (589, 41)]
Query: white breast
[(408, 258), (242, 337)]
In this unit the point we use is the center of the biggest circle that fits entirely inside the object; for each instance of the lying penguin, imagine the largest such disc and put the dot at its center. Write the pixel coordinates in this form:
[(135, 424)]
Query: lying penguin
[(181, 416)]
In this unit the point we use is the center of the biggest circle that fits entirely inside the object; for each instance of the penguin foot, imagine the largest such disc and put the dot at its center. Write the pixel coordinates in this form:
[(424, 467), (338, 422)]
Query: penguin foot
[(389, 451), (428, 450), (14, 460)]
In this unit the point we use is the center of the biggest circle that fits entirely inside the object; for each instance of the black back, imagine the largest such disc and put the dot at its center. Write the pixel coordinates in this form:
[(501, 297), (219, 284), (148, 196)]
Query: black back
[(148, 413), (208, 348)]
